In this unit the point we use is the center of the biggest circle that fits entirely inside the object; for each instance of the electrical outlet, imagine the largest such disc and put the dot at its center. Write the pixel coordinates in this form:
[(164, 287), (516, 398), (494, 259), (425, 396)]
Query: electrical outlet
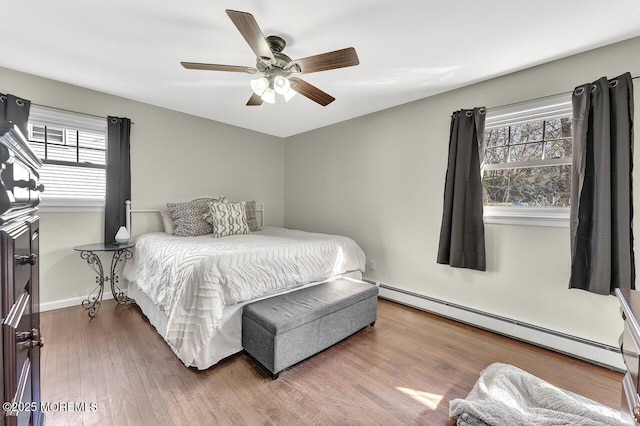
[(372, 265)]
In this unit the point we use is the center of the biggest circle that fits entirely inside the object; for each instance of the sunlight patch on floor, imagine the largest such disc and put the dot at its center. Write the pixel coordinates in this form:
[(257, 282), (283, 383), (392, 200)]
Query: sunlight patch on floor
[(427, 399)]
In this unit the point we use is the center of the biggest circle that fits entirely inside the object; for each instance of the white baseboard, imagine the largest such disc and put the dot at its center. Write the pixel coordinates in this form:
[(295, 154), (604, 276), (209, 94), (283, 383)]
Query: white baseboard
[(74, 301), (577, 347), (594, 352)]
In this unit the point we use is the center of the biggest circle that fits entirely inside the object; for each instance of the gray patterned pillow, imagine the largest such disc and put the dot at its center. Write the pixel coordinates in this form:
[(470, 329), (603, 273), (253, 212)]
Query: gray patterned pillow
[(229, 219), (188, 217)]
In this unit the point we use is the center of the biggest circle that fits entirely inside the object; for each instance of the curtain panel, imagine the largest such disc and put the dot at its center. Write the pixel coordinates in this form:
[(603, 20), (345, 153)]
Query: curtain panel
[(15, 110), (602, 256), (118, 175), (462, 231)]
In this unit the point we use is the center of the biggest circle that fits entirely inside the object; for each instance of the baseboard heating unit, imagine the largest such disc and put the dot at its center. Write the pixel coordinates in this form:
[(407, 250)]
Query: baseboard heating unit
[(577, 347)]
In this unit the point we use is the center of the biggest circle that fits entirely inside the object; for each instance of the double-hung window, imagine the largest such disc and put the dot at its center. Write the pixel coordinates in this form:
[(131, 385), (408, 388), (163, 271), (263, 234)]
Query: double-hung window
[(526, 171), (73, 149)]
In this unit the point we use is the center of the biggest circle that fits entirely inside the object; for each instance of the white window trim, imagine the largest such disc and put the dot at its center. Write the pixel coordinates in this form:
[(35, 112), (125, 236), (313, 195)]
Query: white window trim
[(523, 112), (70, 205), (555, 217), (536, 110)]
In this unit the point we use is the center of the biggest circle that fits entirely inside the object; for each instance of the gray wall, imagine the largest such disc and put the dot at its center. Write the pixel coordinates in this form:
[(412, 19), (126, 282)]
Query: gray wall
[(380, 178), (174, 157)]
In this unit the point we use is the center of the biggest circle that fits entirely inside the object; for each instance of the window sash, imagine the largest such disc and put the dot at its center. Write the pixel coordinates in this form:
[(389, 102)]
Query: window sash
[(74, 164), (527, 164), (75, 177), (70, 155), (526, 112)]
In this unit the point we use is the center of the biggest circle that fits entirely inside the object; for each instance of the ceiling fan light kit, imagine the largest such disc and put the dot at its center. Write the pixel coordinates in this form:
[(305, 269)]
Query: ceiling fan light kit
[(266, 88), (288, 95), (277, 69), (281, 85), (269, 96), (259, 85)]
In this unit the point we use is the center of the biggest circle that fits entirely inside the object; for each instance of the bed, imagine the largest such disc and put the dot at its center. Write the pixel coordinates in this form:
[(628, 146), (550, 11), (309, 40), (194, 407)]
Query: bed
[(192, 289)]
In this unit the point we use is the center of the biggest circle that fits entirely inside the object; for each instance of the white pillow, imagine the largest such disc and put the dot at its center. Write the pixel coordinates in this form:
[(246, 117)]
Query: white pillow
[(229, 219)]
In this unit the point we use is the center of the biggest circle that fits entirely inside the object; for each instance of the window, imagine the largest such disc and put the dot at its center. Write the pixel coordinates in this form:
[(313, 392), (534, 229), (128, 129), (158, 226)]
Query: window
[(73, 149), (526, 172)]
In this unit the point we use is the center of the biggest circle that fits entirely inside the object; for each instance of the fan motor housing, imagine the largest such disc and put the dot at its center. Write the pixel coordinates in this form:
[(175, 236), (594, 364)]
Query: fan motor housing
[(277, 45)]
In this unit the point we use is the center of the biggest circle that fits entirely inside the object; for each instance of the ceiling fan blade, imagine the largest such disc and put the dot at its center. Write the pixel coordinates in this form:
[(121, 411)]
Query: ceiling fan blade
[(248, 27), (216, 67), (254, 100), (328, 61), (311, 91)]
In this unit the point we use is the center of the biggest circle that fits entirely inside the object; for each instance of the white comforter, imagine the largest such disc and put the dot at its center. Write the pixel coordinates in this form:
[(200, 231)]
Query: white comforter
[(507, 395), (193, 279)]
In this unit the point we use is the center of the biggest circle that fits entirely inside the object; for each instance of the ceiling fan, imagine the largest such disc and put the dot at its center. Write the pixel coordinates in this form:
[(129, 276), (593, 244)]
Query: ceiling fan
[(279, 72)]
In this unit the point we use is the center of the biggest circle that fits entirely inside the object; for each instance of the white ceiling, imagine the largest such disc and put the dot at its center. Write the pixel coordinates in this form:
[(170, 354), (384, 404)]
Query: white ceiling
[(408, 49)]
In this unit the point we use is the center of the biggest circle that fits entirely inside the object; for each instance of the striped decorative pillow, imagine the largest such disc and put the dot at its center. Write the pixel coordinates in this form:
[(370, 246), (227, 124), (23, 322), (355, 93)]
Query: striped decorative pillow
[(249, 208), (229, 219)]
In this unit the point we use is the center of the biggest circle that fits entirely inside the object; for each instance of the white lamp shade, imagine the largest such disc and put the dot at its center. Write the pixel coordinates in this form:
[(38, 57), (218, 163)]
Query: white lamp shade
[(281, 84), (269, 96), (259, 85), (289, 94)]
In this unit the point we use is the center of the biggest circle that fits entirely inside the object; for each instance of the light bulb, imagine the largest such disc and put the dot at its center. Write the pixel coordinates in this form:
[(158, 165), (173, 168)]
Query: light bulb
[(269, 96), (259, 85), (281, 84)]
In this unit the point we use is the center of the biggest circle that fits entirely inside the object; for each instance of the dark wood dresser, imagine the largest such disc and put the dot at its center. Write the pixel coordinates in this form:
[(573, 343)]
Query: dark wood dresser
[(19, 274), (630, 347)]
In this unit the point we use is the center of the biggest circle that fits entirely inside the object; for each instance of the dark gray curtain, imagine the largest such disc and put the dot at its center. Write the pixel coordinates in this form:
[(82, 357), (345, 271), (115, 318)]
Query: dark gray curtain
[(14, 110), (602, 255), (118, 176), (3, 110), (462, 231)]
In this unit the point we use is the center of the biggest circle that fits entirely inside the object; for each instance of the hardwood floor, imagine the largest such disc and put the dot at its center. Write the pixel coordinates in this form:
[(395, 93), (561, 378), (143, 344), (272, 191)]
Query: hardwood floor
[(402, 371)]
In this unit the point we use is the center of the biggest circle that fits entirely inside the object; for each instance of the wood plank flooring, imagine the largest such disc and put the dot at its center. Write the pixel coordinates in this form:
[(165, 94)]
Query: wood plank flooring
[(402, 371)]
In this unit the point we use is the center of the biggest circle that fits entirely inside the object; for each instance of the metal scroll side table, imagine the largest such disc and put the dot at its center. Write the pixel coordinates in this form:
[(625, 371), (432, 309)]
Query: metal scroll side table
[(121, 252)]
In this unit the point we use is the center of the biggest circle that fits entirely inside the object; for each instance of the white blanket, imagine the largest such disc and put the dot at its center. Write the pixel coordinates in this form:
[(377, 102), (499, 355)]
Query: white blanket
[(193, 279), (507, 395)]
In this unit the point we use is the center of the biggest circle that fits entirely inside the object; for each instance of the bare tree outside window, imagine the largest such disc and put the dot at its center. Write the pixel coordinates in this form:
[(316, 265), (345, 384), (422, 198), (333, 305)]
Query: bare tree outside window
[(528, 164)]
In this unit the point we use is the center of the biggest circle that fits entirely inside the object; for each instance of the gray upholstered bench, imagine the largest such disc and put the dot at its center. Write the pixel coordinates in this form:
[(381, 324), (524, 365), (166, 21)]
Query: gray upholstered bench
[(285, 329)]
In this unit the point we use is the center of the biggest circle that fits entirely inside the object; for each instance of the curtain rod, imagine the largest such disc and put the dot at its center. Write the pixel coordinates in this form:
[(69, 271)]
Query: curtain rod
[(71, 111), (540, 98)]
